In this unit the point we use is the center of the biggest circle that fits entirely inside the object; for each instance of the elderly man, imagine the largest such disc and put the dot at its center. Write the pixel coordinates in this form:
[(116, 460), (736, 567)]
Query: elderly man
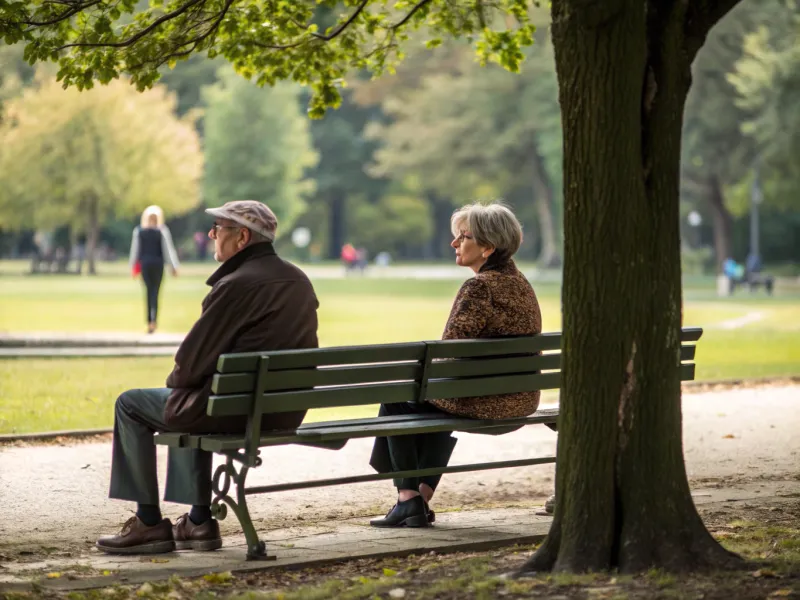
[(257, 302)]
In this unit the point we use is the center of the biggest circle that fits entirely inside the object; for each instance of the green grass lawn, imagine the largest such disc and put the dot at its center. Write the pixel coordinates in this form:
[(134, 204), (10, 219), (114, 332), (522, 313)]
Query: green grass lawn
[(53, 394)]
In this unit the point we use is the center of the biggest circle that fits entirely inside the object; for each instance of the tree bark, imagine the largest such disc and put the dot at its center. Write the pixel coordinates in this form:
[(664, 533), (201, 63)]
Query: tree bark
[(623, 495), (722, 221), (549, 256), (93, 235)]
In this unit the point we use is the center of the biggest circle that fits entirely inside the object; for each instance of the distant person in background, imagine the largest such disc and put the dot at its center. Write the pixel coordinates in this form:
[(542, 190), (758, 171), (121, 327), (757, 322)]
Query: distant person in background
[(151, 247), (201, 245), (349, 256)]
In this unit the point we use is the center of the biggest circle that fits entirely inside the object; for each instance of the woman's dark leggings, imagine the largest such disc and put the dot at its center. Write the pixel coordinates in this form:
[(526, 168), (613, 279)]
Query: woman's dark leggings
[(411, 452), (152, 275)]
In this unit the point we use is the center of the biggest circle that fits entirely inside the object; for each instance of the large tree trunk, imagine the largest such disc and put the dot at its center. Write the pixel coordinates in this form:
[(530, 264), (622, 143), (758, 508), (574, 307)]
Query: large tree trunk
[(623, 494), (721, 220), (549, 256), (93, 235)]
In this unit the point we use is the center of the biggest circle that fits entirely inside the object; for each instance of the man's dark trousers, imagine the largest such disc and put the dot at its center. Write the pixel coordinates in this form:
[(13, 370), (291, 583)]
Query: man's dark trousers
[(139, 414)]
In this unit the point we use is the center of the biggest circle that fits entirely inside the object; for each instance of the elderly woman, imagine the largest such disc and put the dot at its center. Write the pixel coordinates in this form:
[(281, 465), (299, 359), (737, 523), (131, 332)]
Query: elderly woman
[(497, 302), (151, 247)]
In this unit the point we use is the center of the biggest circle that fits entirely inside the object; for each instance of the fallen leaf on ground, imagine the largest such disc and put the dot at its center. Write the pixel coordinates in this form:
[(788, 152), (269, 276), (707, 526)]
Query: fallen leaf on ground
[(389, 572), (730, 436), (780, 593), (53, 575), (397, 593), (764, 573), (218, 577)]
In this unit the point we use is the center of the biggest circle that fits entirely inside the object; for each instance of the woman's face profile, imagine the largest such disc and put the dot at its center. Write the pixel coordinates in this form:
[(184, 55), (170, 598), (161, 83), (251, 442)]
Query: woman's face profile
[(468, 252)]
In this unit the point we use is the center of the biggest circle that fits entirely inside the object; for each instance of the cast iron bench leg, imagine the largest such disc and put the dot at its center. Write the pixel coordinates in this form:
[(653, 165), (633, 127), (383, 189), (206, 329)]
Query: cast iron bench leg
[(256, 549)]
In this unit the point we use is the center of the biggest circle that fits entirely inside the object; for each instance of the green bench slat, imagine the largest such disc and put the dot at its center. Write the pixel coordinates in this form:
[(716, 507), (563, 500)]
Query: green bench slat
[(487, 386), (494, 347), (236, 383), (687, 352), (275, 402), (691, 334), (384, 427), (493, 366), (687, 372), (316, 357)]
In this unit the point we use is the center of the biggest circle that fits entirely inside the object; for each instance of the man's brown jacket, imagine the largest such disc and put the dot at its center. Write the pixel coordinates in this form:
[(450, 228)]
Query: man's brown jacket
[(257, 301)]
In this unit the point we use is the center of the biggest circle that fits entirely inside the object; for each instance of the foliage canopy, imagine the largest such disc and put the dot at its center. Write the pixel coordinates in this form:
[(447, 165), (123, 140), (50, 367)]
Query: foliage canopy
[(299, 40)]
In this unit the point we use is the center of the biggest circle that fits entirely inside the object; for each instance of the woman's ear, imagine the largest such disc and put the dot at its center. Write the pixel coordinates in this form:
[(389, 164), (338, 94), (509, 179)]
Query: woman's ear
[(487, 252)]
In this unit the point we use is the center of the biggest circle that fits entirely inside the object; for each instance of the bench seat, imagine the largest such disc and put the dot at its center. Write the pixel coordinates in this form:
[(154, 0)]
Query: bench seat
[(331, 431)]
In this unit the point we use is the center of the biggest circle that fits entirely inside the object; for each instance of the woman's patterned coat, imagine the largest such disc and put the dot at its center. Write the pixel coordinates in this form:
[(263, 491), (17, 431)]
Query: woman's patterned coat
[(497, 302)]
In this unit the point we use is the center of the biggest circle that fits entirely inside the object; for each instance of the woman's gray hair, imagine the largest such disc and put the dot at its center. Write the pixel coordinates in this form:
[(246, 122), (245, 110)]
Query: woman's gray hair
[(492, 225)]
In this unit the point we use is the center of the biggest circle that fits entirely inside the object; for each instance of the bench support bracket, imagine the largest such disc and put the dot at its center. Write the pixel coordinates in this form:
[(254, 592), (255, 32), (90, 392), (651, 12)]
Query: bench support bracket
[(223, 476)]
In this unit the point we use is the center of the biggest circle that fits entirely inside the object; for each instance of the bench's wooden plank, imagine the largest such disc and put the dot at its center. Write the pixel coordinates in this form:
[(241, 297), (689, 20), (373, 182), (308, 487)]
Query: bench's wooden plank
[(494, 347), (385, 427), (493, 366), (489, 386), (687, 352), (275, 402), (315, 357), (687, 372), (236, 383), (691, 334)]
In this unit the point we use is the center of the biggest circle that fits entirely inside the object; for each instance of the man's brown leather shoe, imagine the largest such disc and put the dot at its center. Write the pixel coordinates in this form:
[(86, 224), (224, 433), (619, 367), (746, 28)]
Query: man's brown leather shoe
[(137, 538), (189, 536)]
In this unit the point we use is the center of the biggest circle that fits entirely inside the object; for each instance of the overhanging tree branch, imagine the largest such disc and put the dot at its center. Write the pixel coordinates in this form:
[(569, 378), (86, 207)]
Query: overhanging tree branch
[(344, 25), (701, 16), (135, 38), (63, 16), (410, 14)]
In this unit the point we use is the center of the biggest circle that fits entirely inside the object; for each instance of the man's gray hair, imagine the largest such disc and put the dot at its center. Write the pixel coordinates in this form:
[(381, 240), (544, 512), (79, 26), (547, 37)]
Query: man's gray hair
[(492, 225)]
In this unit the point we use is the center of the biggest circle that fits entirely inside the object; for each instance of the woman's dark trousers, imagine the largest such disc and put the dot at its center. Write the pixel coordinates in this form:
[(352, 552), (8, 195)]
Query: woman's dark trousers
[(410, 452), (152, 273)]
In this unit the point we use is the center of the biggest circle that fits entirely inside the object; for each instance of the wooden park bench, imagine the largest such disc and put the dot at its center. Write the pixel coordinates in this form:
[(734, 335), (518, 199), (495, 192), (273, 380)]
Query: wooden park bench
[(258, 383)]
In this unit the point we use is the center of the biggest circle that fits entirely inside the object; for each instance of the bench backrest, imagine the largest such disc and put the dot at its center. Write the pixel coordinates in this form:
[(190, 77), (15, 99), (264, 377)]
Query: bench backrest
[(290, 380)]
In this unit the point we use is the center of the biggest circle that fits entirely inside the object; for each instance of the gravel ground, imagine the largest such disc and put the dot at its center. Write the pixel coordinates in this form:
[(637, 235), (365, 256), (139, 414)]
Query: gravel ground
[(56, 494)]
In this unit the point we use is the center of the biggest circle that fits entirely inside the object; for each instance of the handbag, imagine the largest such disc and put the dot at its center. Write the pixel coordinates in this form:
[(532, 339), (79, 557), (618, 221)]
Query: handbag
[(137, 268)]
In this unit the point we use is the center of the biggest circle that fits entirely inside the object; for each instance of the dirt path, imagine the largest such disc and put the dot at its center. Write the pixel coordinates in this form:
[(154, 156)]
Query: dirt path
[(54, 495)]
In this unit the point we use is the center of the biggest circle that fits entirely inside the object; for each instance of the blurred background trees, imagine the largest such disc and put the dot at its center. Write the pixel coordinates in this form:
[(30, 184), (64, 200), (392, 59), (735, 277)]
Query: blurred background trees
[(79, 160), (385, 171)]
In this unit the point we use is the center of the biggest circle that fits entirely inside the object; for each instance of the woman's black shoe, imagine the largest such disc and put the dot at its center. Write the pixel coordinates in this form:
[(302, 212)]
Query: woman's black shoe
[(411, 513)]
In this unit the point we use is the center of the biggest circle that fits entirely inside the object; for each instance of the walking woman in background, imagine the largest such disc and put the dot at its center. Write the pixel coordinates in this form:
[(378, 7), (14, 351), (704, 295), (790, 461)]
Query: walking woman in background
[(151, 247)]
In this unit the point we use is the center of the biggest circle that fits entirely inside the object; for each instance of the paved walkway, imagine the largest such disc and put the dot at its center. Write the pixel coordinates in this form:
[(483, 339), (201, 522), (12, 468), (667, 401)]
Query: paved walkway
[(320, 543), (54, 497)]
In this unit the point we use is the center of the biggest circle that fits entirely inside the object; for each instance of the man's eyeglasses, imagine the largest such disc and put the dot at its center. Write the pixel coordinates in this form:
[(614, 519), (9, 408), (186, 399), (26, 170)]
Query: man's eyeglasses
[(216, 227)]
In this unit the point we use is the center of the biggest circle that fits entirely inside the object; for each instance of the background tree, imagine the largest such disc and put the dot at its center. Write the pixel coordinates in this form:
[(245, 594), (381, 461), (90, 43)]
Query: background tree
[(341, 181), (766, 78), (258, 146), (472, 131), (79, 159)]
